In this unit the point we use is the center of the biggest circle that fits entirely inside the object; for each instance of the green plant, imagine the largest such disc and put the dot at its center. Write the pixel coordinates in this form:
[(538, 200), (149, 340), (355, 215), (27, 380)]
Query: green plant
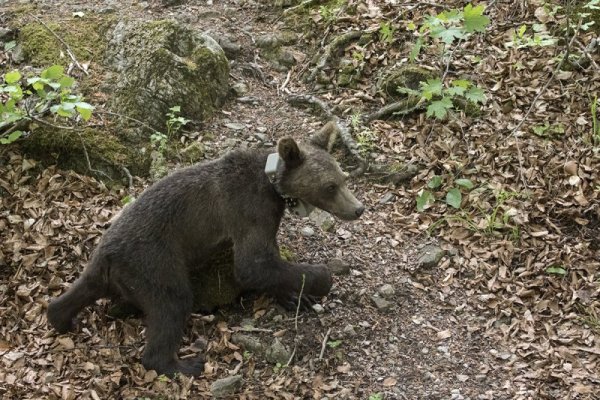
[(365, 140), (159, 141), (50, 92), (453, 195), (329, 11), (174, 121), (556, 270), (446, 28), (334, 343), (376, 396), (548, 131), (539, 37), (386, 32)]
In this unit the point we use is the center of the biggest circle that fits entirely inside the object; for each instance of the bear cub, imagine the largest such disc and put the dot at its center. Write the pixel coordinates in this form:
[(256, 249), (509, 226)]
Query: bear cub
[(146, 256)]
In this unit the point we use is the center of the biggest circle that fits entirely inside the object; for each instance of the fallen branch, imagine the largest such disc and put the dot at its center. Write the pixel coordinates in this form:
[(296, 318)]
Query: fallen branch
[(67, 47), (329, 50), (324, 344)]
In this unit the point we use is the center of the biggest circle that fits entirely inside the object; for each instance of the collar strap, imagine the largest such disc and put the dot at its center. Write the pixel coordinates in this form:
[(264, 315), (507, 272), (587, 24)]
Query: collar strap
[(296, 206)]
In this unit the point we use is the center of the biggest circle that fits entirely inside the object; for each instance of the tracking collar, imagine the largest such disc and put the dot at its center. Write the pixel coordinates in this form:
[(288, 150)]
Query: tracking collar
[(296, 206)]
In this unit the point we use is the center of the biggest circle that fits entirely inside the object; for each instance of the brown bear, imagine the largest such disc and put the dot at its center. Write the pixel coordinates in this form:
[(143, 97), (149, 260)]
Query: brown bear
[(145, 257)]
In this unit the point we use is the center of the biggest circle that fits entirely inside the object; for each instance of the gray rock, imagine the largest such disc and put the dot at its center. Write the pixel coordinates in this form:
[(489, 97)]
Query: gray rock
[(386, 291), (318, 308), (235, 126), (240, 89), (430, 256), (5, 34), (323, 219), (286, 58), (277, 353), (227, 386), (349, 331), (389, 197), (232, 50), (248, 343), (17, 54), (338, 267), (261, 136), (381, 304), (166, 64), (267, 41), (307, 231)]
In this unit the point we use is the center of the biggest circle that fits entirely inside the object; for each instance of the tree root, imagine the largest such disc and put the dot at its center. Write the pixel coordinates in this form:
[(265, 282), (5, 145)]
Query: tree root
[(402, 107), (328, 51)]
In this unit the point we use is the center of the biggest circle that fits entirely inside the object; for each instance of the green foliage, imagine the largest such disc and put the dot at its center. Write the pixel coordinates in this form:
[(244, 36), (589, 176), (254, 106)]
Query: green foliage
[(538, 38), (386, 32), (556, 270), (453, 196), (548, 131), (451, 25), (376, 396), (334, 343), (175, 122), (51, 91), (329, 11), (441, 98)]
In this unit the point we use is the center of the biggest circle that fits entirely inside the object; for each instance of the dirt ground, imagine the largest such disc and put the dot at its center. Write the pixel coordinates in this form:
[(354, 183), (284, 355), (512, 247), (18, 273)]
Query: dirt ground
[(488, 322)]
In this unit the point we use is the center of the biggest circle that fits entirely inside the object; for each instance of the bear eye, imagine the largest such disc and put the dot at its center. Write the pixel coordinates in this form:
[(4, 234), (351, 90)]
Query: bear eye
[(331, 188)]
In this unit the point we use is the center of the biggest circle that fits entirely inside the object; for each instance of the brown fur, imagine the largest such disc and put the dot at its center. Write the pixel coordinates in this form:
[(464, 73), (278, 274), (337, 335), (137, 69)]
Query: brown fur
[(145, 257)]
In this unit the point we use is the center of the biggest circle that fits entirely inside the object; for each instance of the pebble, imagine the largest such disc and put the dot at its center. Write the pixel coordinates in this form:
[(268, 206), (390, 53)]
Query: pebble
[(386, 291), (381, 304), (227, 386), (338, 267), (307, 231), (389, 197), (318, 308)]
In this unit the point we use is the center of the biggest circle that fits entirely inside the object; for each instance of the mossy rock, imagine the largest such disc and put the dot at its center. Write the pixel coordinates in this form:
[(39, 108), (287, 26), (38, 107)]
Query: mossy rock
[(403, 76), (71, 150), (160, 64)]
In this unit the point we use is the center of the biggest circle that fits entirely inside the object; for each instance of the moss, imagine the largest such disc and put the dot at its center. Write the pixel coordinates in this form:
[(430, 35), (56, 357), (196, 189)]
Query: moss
[(85, 37), (286, 254), (66, 148), (405, 76)]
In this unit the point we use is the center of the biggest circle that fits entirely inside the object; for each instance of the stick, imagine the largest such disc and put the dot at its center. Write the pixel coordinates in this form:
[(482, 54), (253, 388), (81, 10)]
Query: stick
[(145, 125), (324, 344), (299, 302), (67, 47)]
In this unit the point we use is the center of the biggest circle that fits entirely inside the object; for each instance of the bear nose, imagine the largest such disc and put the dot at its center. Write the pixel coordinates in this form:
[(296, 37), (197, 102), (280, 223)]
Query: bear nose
[(359, 211)]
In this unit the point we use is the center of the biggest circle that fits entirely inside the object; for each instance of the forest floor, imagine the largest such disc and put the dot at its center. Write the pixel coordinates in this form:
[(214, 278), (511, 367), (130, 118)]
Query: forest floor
[(510, 312)]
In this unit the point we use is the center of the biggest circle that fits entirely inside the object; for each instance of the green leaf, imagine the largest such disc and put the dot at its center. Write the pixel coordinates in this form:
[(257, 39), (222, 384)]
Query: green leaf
[(433, 87), (12, 77), (475, 94), (334, 343), (439, 108), (66, 81), (474, 19), (175, 109), (463, 83), (53, 72), (416, 49), (556, 271), (11, 138), (466, 183), (424, 199), (454, 198), (435, 182), (10, 45), (447, 35), (455, 91), (84, 109)]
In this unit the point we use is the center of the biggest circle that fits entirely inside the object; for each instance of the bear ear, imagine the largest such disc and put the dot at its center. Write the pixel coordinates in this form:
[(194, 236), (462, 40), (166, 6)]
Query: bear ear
[(325, 137), (289, 151)]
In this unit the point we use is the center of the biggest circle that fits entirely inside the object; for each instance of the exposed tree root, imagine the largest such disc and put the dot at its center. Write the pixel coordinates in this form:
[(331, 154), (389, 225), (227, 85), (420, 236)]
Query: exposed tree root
[(401, 107), (328, 51)]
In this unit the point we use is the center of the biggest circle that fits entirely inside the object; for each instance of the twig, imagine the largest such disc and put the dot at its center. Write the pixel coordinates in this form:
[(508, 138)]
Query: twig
[(129, 177), (324, 343), (41, 121), (292, 355), (87, 158), (299, 302), (304, 4), (145, 125), (287, 79), (67, 47)]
